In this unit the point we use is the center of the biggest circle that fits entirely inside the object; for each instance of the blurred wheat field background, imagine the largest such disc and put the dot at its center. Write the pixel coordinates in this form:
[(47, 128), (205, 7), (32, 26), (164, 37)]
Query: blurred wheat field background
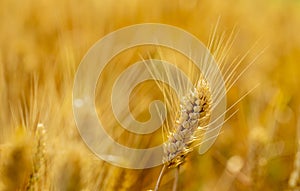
[(42, 43)]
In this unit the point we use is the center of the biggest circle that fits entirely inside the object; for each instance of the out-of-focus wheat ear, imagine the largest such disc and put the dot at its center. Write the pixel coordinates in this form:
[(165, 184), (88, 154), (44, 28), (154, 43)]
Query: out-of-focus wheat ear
[(99, 170), (294, 181), (16, 162), (121, 179), (38, 176), (115, 179), (130, 180), (69, 174), (262, 145), (231, 172)]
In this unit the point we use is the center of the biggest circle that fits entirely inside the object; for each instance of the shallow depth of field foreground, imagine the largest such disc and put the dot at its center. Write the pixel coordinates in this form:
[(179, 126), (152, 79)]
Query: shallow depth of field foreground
[(42, 43)]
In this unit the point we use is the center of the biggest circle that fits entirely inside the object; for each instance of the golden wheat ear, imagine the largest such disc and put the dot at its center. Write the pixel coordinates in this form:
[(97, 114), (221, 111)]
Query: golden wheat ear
[(195, 111), (38, 176), (200, 114)]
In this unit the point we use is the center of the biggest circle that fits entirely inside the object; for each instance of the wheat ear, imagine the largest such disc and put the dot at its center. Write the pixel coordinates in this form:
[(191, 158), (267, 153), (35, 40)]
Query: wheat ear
[(194, 115), (195, 125), (39, 161), (195, 110)]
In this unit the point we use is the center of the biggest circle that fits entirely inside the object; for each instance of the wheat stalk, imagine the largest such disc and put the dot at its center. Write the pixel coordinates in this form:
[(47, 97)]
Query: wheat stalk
[(295, 175)]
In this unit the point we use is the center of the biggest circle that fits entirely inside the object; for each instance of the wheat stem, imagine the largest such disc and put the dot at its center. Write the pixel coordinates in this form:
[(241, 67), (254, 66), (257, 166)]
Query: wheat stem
[(175, 184), (160, 178)]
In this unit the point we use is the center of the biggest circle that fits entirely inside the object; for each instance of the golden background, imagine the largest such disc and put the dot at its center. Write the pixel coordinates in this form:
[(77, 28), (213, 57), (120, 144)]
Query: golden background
[(42, 43)]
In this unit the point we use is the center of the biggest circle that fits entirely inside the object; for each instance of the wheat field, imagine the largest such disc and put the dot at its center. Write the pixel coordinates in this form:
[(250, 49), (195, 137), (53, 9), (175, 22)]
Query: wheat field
[(41, 46)]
